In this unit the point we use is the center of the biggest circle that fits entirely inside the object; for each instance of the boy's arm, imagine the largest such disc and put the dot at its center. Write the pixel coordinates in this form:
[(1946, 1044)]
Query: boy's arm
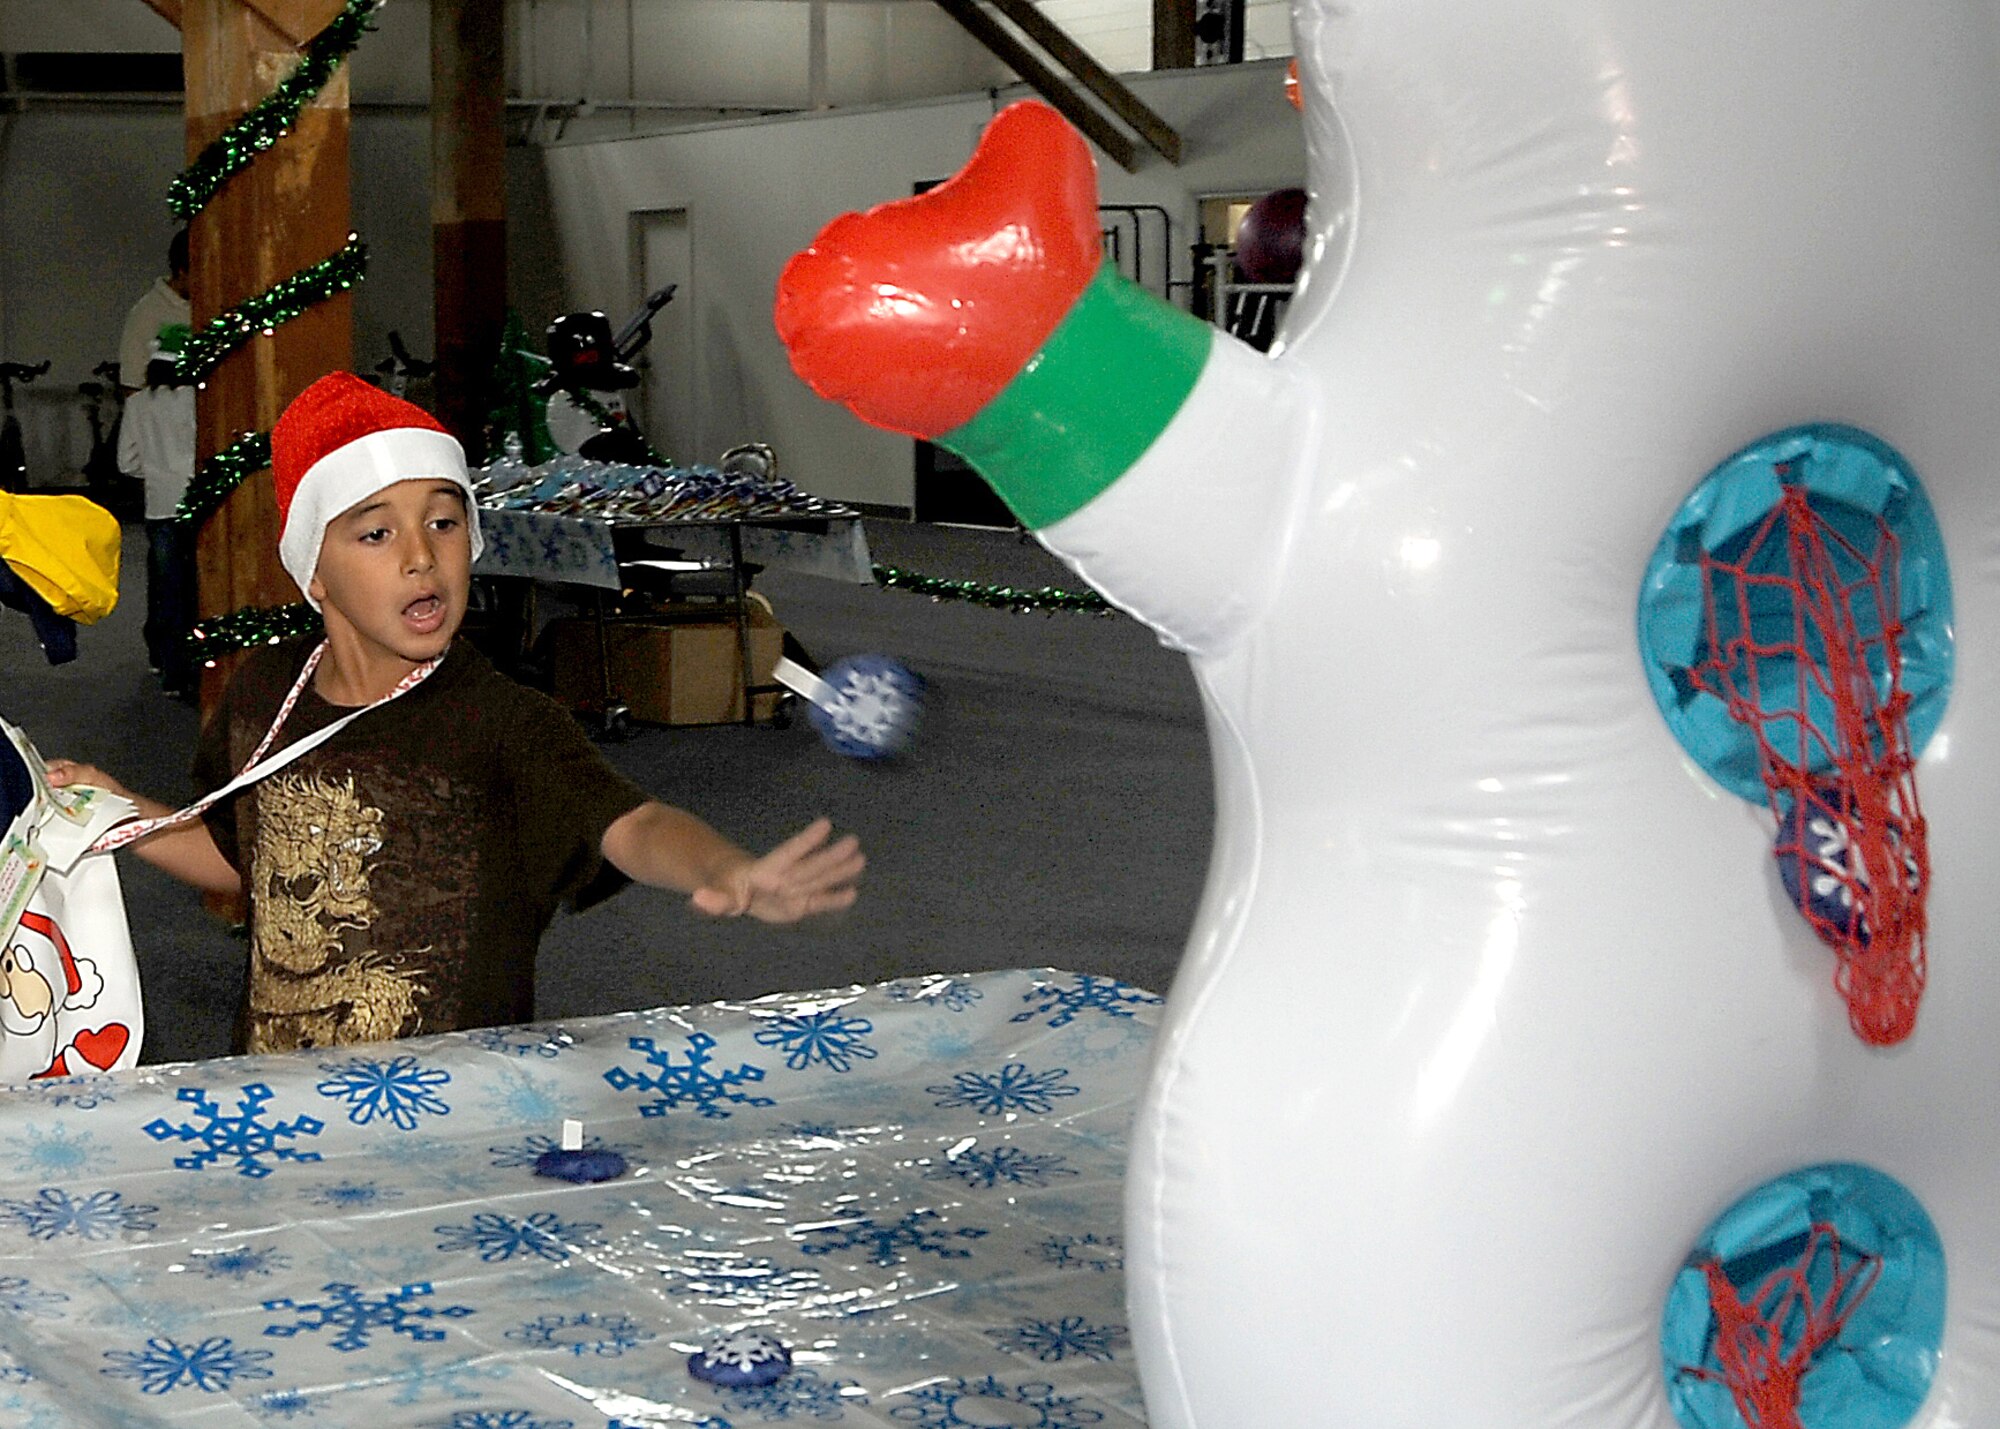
[(187, 853), (671, 848)]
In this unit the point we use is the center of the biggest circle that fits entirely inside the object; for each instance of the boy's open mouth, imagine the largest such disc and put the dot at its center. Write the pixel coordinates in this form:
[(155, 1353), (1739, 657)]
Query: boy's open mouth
[(425, 613)]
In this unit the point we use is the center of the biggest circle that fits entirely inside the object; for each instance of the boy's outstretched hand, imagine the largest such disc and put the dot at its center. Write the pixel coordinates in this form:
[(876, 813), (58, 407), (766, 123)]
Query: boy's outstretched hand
[(801, 876)]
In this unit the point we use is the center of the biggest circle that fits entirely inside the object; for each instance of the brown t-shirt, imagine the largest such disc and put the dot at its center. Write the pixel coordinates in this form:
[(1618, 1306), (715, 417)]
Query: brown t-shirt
[(401, 874)]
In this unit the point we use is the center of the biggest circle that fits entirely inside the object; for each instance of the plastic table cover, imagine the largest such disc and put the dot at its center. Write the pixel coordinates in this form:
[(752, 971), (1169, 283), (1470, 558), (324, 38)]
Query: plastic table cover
[(576, 550), (916, 1187)]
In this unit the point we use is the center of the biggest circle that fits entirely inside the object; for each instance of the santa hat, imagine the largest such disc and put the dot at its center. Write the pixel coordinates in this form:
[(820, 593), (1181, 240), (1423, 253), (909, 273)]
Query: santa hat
[(341, 441)]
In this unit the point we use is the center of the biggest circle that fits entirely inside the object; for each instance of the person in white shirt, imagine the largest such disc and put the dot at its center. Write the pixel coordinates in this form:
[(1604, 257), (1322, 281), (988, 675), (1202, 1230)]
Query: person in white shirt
[(164, 303), (156, 444)]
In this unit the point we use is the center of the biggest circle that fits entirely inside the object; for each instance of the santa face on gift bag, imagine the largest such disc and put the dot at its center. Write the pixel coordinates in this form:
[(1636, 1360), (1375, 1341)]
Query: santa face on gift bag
[(69, 985), (1588, 1023), (48, 996)]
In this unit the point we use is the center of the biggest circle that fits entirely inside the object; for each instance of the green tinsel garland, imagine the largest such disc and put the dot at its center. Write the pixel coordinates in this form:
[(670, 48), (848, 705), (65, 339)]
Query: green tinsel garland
[(1046, 599), (192, 191), (272, 118), (221, 474), (252, 625), (277, 304)]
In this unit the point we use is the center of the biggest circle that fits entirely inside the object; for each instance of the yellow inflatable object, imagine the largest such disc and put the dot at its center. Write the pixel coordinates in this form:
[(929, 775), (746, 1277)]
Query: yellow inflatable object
[(66, 548)]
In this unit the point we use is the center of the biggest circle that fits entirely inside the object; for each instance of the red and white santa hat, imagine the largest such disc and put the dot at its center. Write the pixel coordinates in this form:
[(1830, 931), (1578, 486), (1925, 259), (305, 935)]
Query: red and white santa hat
[(338, 443)]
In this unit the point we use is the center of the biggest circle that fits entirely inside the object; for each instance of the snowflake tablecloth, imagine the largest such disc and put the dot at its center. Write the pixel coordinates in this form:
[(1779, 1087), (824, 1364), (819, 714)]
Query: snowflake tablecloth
[(915, 1186)]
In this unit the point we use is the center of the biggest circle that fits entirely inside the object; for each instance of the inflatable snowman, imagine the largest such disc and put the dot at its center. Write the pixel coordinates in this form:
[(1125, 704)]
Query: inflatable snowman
[(1592, 1020)]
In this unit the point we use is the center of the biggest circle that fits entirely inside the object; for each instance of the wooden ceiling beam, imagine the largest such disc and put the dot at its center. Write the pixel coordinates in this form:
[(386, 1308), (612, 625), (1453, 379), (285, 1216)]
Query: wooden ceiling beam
[(1100, 81), (168, 10), (1043, 80)]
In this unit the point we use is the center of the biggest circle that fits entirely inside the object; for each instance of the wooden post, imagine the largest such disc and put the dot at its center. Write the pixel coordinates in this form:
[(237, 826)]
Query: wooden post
[(288, 210), (1173, 34), (468, 207)]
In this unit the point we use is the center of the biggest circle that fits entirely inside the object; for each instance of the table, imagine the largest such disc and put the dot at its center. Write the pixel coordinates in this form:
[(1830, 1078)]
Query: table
[(577, 550), (599, 557), (915, 1186)]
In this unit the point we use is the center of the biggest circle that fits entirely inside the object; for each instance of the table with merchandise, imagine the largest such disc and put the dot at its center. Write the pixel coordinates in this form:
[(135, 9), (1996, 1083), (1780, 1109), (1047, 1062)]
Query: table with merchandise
[(602, 530)]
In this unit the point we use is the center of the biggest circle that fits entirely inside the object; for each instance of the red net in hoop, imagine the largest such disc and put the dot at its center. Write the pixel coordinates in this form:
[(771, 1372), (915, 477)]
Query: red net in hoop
[(1804, 648), (1766, 1342)]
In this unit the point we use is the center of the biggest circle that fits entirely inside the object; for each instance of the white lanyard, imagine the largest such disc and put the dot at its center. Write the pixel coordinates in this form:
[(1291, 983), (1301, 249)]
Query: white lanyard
[(252, 770)]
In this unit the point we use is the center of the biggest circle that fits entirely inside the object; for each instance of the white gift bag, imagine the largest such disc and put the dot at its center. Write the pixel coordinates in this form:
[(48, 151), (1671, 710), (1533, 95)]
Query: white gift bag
[(69, 985)]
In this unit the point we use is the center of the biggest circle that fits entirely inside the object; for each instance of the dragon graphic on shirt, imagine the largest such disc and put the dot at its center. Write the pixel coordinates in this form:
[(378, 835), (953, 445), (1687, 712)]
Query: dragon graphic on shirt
[(310, 870)]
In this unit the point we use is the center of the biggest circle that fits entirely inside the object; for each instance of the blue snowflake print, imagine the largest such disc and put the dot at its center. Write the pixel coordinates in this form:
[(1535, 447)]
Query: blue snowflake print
[(98, 1216), (886, 1243), (504, 1419), (417, 1376), (529, 1150), (689, 1082), (211, 1366), (37, 1416), (497, 1237), (820, 1036), (241, 1262), (286, 1404), (731, 1279), (1084, 1252), (949, 1044), (352, 1195), (1084, 994), (970, 1403), (952, 994), (802, 1394), (1104, 1042), (522, 1099), (245, 1138), (1003, 1165), (56, 1154), (76, 1093), (398, 1090), (152, 1315), (356, 1316), (18, 1297), (1013, 1088), (1071, 1337), (606, 1335), (525, 1041)]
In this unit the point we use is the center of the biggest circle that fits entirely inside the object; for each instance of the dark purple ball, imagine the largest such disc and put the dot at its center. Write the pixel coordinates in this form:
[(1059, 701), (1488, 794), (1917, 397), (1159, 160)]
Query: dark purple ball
[(1271, 240), (583, 1167)]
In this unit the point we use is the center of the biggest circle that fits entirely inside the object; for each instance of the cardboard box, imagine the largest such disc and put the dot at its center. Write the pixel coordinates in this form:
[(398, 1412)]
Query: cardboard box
[(672, 667)]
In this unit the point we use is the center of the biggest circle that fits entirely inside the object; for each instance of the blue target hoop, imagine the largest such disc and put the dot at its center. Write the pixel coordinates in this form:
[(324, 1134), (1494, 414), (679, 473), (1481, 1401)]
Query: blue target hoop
[(1853, 482)]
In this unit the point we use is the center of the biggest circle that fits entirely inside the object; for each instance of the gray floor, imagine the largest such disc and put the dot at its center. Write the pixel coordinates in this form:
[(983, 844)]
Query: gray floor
[(1055, 810)]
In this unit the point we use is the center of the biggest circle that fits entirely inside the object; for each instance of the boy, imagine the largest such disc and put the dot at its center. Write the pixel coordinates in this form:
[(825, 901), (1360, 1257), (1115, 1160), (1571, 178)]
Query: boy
[(400, 875), (156, 444)]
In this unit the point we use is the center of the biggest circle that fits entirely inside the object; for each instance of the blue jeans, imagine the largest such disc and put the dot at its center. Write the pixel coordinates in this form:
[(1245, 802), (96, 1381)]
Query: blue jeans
[(170, 601)]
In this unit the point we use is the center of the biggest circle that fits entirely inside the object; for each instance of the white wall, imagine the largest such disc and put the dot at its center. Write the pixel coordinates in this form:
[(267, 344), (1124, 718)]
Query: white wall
[(1119, 33), (729, 54), (84, 230), (757, 192)]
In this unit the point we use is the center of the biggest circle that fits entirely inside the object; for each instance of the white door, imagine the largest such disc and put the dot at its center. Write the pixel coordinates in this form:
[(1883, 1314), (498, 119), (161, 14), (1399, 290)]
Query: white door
[(662, 254)]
